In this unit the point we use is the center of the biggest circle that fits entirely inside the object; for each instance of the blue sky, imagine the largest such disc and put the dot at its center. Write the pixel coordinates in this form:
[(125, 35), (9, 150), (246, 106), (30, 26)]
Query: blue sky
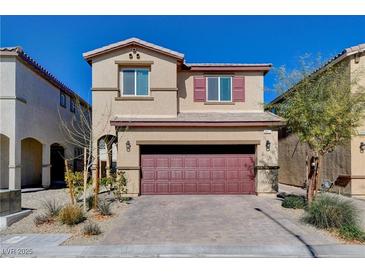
[(57, 42)]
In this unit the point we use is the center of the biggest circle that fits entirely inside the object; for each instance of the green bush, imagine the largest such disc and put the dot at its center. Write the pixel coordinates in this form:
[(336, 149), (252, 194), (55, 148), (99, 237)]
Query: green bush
[(104, 208), (71, 215), (41, 219), (294, 201), (352, 232), (91, 229), (331, 211), (52, 208)]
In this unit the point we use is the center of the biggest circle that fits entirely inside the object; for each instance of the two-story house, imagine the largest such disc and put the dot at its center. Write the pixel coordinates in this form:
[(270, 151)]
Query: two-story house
[(345, 166), (183, 128), (33, 104)]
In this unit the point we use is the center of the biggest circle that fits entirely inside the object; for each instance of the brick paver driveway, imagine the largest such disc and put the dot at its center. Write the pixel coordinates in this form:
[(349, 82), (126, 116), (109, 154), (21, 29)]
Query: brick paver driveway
[(218, 220)]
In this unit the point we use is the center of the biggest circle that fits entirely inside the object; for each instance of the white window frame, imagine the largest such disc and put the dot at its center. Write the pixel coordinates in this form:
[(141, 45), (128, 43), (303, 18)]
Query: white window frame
[(219, 87), (121, 82)]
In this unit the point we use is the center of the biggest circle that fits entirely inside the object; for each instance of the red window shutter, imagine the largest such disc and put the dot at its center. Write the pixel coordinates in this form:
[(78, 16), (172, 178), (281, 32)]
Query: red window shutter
[(199, 89), (238, 89)]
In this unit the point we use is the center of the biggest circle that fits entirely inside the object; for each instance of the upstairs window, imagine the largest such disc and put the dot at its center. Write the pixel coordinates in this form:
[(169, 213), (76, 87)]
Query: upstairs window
[(134, 82), (219, 89), (72, 105), (62, 99)]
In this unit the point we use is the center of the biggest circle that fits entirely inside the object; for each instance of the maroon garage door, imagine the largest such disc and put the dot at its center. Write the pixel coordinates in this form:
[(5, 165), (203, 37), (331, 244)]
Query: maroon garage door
[(197, 174)]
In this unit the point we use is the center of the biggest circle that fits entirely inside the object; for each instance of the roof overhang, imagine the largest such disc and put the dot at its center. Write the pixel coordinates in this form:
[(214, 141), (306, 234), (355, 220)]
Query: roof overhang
[(359, 49), (265, 68), (195, 124), (132, 42)]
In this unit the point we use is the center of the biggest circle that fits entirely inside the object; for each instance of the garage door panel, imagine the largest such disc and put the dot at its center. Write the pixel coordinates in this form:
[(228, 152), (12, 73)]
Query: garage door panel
[(148, 188), (218, 174), (190, 175), (177, 187), (233, 187), (197, 174), (190, 187), (148, 161), (162, 175), (191, 162), (148, 174), (162, 162), (204, 174), (219, 187), (177, 162), (204, 187), (162, 188), (176, 175)]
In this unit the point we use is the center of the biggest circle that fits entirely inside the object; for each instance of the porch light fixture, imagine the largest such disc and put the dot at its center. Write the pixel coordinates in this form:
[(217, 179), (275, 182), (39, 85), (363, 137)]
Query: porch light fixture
[(268, 145), (128, 146), (362, 147)]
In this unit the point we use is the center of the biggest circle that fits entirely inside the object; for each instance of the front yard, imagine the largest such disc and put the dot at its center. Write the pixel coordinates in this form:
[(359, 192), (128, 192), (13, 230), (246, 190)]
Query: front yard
[(35, 201)]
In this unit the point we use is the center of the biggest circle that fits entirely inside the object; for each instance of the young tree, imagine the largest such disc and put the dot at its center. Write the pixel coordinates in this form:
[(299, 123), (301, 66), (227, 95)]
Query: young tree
[(322, 107), (79, 133)]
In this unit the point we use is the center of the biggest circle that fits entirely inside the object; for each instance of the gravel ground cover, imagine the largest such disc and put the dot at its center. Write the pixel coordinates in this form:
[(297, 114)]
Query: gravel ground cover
[(35, 200)]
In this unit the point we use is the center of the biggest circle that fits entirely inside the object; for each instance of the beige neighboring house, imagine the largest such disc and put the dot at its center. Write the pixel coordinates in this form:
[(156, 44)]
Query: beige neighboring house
[(345, 166), (31, 103), (183, 128)]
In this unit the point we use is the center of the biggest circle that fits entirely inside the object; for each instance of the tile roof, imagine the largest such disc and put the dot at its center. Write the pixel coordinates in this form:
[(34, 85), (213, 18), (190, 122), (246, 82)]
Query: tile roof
[(336, 59), (18, 51), (132, 41), (207, 117)]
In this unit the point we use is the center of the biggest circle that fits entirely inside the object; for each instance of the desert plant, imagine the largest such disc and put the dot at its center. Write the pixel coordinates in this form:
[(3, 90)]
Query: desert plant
[(52, 208), (90, 202), (41, 219), (91, 229), (351, 232), (331, 211), (104, 208), (294, 201), (71, 215)]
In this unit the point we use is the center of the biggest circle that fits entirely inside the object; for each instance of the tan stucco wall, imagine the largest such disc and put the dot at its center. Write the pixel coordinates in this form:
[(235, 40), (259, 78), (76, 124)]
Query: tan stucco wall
[(31, 159), (358, 158), (254, 94), (345, 160), (129, 162), (30, 108)]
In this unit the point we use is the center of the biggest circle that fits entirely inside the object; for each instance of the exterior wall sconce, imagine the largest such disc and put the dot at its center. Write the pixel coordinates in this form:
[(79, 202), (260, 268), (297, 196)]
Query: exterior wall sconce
[(362, 147), (128, 146), (130, 56), (268, 145)]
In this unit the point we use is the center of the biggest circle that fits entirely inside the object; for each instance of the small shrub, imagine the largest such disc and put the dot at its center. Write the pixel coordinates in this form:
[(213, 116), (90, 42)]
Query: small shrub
[(294, 201), (41, 219), (125, 199), (52, 208), (352, 232), (331, 211), (91, 229), (104, 208), (71, 215), (90, 202)]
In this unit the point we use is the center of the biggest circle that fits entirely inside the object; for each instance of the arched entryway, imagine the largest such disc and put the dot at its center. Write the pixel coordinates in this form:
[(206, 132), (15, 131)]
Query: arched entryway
[(107, 146), (57, 165), (31, 163), (4, 160)]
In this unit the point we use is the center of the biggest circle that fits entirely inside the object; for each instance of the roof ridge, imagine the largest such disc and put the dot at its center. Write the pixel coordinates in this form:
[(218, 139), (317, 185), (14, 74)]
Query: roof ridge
[(43, 71)]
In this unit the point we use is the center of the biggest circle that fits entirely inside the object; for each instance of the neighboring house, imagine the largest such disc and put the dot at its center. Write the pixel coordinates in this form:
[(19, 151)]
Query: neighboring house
[(345, 166), (183, 128), (32, 103)]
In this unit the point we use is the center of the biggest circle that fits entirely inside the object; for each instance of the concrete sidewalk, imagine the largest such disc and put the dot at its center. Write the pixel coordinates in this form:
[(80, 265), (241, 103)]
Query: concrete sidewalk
[(203, 251)]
